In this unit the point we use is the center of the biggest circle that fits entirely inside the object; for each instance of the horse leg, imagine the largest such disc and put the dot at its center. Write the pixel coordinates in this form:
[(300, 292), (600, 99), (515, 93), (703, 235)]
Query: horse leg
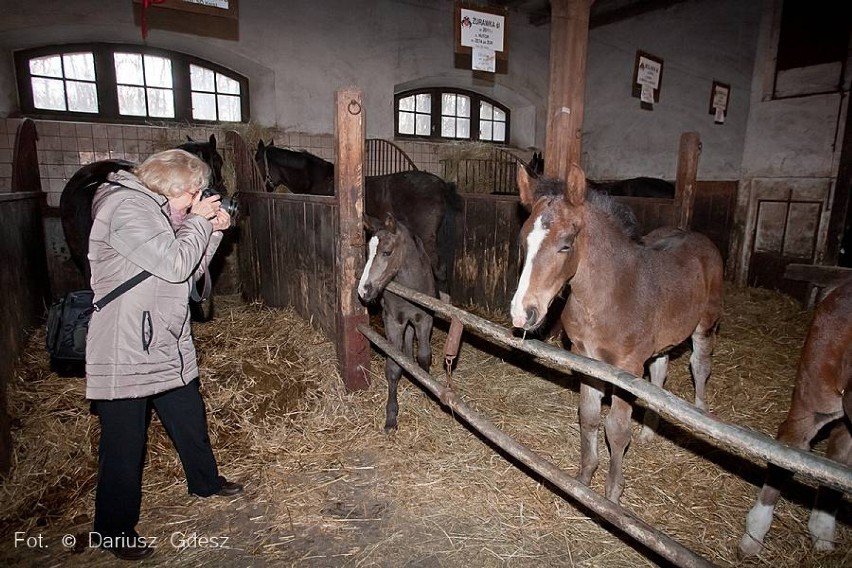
[(823, 515), (703, 341), (618, 433), (591, 393), (658, 369), (423, 327), (393, 371), (797, 430)]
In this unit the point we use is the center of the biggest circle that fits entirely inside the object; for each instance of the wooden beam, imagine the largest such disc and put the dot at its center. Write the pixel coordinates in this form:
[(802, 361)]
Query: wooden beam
[(687, 171), (353, 349), (569, 35)]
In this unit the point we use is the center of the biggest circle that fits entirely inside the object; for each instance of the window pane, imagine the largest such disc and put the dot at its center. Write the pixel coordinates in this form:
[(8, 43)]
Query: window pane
[(485, 130), (424, 103), (201, 79), (499, 132), (48, 94), (128, 69), (406, 103), (204, 106), (499, 115), (79, 66), (486, 111), (463, 105), (448, 104), (158, 71), (406, 121), (463, 128), (82, 97), (48, 66), (424, 123), (229, 108), (448, 127), (227, 85), (161, 103), (131, 101)]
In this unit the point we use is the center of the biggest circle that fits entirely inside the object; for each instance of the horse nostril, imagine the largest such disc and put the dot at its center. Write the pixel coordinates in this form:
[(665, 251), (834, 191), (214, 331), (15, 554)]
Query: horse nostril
[(532, 316)]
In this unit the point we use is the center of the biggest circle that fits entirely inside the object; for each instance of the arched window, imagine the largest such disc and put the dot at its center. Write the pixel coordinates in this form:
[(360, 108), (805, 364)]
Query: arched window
[(450, 114), (127, 83)]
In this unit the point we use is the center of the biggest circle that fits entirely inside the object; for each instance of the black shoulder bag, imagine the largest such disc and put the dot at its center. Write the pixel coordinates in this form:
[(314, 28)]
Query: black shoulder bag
[(68, 320)]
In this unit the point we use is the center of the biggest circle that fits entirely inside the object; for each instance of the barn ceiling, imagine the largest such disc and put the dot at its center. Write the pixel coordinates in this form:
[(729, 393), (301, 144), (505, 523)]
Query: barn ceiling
[(603, 11)]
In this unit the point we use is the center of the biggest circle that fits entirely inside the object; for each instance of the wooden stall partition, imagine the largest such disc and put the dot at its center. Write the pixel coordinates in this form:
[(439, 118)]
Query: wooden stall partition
[(486, 266), (286, 244), (713, 212), (24, 277), (248, 182)]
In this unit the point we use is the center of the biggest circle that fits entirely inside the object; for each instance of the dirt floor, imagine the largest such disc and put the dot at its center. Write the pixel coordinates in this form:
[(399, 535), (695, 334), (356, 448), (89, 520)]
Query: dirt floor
[(325, 486)]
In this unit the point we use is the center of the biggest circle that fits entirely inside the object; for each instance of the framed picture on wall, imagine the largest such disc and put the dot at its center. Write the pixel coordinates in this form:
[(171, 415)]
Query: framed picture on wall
[(720, 95), (647, 79)]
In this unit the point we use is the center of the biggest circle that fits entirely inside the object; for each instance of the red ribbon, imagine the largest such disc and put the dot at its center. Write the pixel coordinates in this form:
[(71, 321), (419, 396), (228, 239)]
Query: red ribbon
[(145, 5)]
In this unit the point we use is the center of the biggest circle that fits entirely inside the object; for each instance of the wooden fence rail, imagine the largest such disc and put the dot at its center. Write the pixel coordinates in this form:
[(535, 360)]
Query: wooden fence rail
[(743, 440)]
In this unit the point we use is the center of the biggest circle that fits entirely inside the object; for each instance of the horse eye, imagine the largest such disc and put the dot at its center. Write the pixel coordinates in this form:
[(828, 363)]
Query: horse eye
[(566, 247), (386, 253)]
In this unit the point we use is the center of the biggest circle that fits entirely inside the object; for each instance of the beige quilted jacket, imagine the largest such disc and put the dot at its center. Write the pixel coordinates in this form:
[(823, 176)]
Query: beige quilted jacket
[(141, 343)]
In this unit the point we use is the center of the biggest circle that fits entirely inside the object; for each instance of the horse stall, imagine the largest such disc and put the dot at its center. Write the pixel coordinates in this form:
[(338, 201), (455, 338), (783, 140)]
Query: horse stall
[(327, 486), (25, 277)]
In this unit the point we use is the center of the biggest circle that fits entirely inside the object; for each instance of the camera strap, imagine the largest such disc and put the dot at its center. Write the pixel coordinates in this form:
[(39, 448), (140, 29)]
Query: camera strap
[(205, 292)]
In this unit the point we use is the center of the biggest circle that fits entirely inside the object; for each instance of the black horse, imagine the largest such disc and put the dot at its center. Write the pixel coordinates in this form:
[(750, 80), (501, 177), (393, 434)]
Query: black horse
[(632, 187), (75, 204), (420, 200)]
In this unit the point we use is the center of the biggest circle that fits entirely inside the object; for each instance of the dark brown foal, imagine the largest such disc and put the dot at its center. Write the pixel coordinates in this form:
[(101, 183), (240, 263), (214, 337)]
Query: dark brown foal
[(397, 255)]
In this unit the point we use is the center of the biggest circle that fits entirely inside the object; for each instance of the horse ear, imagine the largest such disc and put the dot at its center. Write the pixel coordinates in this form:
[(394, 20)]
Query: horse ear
[(371, 224), (390, 222), (260, 144), (189, 138), (575, 189), (525, 187), (213, 141)]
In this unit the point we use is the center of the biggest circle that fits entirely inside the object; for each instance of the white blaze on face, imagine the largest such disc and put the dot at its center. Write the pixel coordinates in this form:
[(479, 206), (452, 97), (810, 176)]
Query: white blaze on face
[(373, 247), (534, 240)]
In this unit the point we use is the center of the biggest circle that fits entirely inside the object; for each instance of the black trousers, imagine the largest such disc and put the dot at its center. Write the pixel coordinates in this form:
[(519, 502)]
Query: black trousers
[(123, 444)]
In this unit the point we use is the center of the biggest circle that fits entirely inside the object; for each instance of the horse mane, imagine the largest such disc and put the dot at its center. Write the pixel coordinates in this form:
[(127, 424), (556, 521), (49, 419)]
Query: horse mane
[(622, 214)]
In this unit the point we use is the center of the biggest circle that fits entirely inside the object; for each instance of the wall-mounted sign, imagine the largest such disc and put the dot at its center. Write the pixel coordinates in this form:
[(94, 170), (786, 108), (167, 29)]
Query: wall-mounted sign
[(481, 39), (647, 79), (211, 18), (719, 97)]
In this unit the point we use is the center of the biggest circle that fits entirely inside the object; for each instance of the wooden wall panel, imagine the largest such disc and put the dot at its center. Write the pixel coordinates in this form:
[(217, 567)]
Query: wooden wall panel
[(26, 291)]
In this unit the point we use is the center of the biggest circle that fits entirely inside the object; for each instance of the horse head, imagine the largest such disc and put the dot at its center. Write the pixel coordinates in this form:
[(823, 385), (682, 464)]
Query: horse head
[(208, 153), (551, 239), (261, 158), (388, 249)]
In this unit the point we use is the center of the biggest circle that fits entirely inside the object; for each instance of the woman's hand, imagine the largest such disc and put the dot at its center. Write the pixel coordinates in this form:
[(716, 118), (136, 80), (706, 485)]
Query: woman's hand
[(207, 207), (222, 220)]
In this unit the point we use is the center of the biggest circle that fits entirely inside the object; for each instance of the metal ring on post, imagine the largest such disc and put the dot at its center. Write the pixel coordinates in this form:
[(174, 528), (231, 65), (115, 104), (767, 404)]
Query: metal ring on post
[(354, 107)]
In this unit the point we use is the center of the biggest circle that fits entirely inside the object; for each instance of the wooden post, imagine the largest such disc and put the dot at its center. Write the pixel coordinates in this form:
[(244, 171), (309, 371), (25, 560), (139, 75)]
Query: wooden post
[(353, 349), (687, 171), (569, 38)]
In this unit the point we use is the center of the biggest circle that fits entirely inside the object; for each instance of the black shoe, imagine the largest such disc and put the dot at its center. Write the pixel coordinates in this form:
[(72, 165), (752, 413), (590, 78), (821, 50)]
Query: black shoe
[(229, 489)]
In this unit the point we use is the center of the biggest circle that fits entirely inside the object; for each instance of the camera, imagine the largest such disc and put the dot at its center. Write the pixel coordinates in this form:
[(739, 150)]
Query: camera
[(230, 206)]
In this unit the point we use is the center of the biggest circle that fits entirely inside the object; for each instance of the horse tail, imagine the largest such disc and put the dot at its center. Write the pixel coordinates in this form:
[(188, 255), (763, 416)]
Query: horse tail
[(447, 234)]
